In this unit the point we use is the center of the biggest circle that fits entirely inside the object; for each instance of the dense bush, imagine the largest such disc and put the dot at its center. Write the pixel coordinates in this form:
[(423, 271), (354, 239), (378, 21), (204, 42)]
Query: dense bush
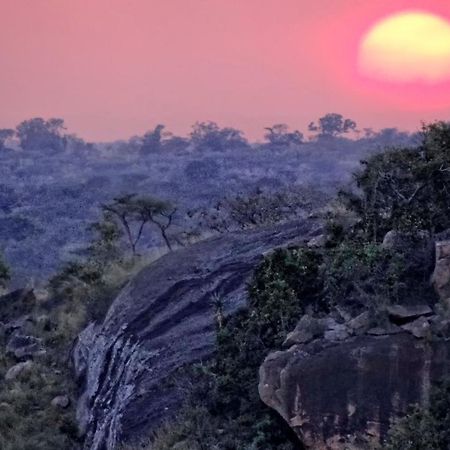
[(285, 285), (363, 273), (405, 188)]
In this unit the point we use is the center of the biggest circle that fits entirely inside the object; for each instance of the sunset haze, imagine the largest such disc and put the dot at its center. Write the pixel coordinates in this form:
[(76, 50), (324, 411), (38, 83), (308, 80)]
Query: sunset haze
[(115, 68)]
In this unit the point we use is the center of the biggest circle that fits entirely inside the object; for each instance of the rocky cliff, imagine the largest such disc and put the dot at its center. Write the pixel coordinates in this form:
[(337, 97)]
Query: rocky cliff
[(128, 366), (340, 382)]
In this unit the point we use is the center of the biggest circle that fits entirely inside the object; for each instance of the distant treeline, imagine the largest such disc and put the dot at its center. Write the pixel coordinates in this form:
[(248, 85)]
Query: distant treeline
[(50, 136)]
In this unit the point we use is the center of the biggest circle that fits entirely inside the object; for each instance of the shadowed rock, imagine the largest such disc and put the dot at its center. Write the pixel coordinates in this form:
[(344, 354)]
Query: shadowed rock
[(162, 321), (340, 396)]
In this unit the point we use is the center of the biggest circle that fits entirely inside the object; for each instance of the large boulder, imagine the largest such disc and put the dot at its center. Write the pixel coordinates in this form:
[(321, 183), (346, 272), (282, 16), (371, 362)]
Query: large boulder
[(343, 395), (128, 366)]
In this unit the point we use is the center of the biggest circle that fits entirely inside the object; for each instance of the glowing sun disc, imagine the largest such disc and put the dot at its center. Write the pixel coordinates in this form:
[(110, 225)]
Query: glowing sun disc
[(411, 46)]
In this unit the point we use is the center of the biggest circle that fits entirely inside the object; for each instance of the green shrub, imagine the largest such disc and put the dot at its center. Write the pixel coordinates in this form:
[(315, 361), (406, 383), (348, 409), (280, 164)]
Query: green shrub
[(358, 273), (285, 285), (362, 273)]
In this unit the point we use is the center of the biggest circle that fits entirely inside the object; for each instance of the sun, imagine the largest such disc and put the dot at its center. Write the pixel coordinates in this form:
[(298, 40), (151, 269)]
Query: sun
[(407, 47)]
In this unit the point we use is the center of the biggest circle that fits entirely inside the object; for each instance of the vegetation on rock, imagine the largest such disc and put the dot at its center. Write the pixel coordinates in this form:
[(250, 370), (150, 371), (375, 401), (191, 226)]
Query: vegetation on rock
[(405, 188)]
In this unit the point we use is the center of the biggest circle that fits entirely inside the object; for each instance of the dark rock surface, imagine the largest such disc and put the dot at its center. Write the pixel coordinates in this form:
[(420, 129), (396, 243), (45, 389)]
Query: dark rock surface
[(161, 321), (401, 314), (342, 394)]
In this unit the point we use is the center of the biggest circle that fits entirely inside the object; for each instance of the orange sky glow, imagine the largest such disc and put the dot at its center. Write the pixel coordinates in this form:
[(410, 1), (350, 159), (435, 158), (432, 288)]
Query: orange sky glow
[(116, 68)]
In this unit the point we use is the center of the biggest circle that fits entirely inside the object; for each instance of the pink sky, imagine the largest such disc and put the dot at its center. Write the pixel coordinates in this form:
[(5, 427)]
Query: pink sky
[(115, 68)]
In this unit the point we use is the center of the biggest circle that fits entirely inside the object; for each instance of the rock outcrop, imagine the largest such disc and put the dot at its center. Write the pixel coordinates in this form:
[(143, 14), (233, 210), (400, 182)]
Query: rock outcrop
[(339, 385), (128, 366)]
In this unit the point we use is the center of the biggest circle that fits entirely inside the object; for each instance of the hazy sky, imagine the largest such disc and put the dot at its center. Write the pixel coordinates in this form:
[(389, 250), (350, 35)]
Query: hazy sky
[(115, 68)]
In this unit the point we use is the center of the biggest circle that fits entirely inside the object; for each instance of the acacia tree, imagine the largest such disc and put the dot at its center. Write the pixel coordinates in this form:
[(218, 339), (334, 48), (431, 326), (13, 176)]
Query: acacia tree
[(134, 212)]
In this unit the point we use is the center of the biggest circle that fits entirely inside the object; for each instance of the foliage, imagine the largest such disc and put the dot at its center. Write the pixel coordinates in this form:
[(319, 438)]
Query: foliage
[(86, 286), (41, 135), (140, 210), (405, 189), (363, 273), (278, 135), (57, 190), (258, 208), (208, 135), (28, 421), (152, 141), (5, 134), (424, 428), (206, 169), (8, 199), (332, 125), (283, 288), (105, 247)]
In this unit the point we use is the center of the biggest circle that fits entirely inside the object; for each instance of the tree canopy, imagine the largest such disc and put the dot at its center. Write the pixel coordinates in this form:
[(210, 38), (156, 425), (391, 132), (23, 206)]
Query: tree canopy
[(41, 135), (279, 135), (332, 125), (208, 135), (405, 188), (134, 212)]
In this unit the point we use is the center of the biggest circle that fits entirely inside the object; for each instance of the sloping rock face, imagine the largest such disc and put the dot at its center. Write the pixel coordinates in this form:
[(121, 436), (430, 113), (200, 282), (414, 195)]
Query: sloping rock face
[(162, 321), (342, 394)]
